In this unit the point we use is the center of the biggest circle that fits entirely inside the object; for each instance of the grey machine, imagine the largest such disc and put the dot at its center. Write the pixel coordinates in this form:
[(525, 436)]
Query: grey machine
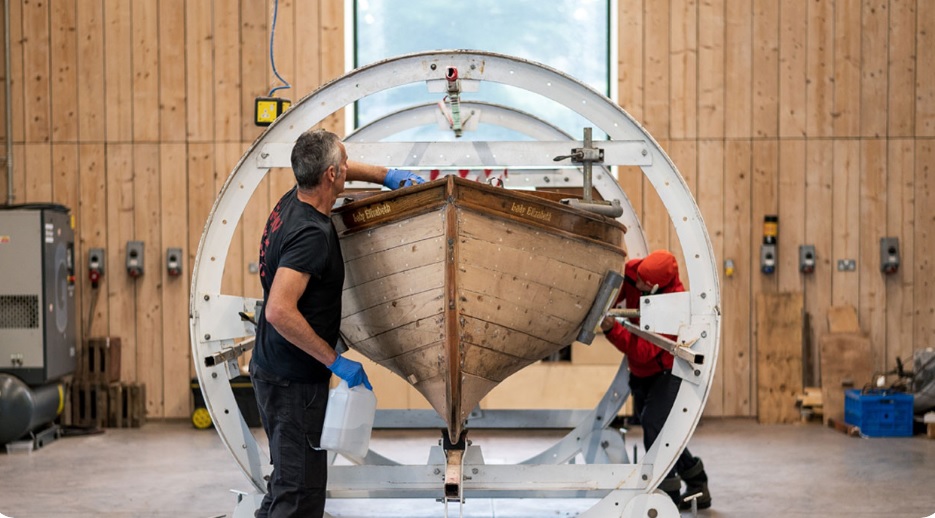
[(37, 315)]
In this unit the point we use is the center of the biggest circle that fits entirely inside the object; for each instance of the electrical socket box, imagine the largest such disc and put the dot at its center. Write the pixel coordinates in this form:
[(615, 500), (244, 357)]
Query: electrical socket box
[(134, 258), (174, 262), (807, 258), (889, 254), (267, 109), (768, 258), (96, 260)]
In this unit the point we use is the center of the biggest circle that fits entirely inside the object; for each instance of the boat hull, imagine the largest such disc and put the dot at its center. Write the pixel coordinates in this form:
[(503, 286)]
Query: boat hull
[(455, 285)]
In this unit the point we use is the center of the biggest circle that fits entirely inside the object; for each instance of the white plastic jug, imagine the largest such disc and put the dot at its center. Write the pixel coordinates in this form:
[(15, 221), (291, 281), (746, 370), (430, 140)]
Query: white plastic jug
[(349, 420)]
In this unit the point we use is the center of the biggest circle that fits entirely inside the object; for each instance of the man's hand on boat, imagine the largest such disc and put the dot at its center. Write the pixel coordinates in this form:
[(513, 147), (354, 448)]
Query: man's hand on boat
[(399, 178), (350, 371)]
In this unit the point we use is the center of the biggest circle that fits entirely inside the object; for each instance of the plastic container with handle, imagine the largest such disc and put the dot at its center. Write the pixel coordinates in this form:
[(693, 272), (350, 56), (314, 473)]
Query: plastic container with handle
[(349, 420)]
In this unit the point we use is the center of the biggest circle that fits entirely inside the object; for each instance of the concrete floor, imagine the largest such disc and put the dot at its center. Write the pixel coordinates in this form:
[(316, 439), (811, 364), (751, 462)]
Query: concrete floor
[(172, 470)]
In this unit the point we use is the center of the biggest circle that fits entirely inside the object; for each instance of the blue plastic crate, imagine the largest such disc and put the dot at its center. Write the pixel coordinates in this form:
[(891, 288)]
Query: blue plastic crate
[(879, 413)]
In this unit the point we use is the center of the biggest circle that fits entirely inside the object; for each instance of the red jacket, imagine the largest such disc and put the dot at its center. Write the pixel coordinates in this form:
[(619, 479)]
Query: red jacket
[(644, 358)]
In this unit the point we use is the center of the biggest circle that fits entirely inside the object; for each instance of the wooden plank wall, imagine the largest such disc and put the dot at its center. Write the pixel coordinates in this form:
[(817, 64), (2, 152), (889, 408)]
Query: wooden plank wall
[(820, 111), (133, 113)]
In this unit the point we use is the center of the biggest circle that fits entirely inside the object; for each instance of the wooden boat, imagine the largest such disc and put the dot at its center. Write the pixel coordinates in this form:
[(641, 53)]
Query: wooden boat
[(454, 285)]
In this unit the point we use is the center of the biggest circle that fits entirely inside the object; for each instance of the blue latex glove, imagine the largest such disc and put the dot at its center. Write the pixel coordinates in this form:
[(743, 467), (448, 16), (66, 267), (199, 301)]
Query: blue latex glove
[(399, 178), (350, 371)]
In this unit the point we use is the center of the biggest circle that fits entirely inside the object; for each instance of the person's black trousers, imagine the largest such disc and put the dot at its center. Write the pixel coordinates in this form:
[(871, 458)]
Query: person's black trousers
[(293, 415), (653, 398)]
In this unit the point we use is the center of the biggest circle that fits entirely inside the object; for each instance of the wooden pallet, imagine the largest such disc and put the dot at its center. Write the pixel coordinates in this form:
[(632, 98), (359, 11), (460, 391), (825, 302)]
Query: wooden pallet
[(88, 404), (100, 360), (126, 405)]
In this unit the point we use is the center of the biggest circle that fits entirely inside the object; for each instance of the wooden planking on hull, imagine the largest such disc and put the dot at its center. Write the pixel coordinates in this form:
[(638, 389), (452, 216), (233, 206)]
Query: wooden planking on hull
[(454, 286)]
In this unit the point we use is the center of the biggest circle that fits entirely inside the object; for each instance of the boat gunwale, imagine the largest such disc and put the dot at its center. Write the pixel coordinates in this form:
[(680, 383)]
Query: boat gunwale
[(447, 189)]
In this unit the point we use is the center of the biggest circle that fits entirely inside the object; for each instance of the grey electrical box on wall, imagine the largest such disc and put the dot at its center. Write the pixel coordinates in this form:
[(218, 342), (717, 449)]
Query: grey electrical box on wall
[(889, 254), (134, 258), (37, 294)]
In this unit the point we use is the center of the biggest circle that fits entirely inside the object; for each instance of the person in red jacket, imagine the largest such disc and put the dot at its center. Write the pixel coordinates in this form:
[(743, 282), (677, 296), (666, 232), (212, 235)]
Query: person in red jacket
[(652, 384)]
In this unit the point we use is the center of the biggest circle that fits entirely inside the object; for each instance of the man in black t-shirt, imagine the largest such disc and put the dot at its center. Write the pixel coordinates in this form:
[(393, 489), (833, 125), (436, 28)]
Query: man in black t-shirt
[(302, 273)]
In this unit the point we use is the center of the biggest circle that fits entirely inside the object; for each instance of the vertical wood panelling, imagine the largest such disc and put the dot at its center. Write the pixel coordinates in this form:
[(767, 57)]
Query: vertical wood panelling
[(792, 76), (900, 222), (3, 107), (738, 68), (924, 243), (90, 83), (819, 229), (655, 218), (736, 335), (38, 168), (683, 63), (845, 244), (17, 77), (121, 288), (36, 65), (711, 69), (710, 195), (765, 68), (232, 280), (147, 207), (201, 193), (925, 73), (630, 56), (19, 173), (172, 119), (873, 47), (145, 58), (764, 193), (656, 69), (819, 83), (64, 68), (307, 49), (134, 113), (173, 218), (872, 227), (901, 68), (846, 70), (254, 57), (199, 82), (92, 229), (118, 72), (227, 72), (791, 216), (332, 63), (284, 47), (684, 154)]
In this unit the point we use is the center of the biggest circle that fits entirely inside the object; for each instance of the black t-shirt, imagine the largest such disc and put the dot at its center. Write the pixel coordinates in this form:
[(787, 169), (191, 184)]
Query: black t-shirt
[(299, 237)]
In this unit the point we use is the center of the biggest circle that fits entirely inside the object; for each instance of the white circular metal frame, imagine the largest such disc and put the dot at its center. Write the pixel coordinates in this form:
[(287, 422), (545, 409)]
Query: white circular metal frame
[(215, 324)]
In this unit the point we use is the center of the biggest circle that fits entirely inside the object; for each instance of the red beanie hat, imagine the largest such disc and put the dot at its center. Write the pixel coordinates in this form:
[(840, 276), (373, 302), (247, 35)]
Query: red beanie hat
[(659, 267)]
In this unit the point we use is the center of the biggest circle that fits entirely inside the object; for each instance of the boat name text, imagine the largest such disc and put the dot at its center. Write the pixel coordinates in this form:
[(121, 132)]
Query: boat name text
[(532, 212), (369, 213)]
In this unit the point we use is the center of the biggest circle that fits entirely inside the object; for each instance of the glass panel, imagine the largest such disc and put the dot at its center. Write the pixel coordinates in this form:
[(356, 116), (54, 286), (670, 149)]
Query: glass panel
[(569, 35)]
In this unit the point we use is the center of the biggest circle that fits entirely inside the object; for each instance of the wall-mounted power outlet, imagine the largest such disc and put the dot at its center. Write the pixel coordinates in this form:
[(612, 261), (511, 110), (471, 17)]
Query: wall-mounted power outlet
[(135, 258)]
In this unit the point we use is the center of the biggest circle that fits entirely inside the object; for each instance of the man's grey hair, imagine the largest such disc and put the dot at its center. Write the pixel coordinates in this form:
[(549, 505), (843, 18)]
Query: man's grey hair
[(315, 151)]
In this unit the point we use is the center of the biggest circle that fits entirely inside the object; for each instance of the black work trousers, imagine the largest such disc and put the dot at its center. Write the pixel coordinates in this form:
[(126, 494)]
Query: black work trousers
[(653, 398), (293, 415)]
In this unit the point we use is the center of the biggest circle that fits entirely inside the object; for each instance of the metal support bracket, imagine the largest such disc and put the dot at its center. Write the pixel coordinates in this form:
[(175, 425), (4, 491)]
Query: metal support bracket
[(682, 351)]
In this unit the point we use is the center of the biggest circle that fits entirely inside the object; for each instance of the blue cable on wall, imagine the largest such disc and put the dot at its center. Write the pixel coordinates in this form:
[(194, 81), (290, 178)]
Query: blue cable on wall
[(272, 59)]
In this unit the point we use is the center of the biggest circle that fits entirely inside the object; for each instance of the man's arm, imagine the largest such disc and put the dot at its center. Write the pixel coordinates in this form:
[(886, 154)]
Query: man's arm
[(282, 312), (361, 172), (392, 178)]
